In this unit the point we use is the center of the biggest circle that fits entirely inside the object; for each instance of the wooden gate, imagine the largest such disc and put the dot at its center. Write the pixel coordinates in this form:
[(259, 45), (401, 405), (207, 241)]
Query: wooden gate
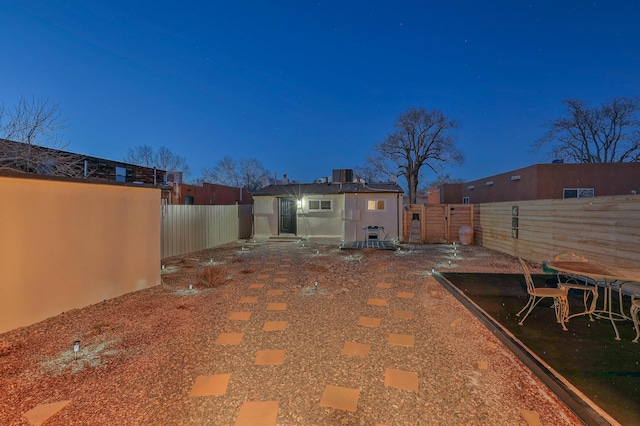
[(439, 223)]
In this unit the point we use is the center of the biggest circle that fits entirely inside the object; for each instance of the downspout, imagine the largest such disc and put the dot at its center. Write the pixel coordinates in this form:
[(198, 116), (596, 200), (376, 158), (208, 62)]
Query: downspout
[(399, 216)]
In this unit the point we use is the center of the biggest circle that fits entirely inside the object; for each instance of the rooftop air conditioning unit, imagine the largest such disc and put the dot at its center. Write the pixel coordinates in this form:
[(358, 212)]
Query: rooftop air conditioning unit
[(174, 177)]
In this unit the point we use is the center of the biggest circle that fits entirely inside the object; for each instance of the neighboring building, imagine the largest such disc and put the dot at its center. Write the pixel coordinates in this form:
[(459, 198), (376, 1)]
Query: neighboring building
[(547, 181), (204, 193), (35, 159), (339, 210)]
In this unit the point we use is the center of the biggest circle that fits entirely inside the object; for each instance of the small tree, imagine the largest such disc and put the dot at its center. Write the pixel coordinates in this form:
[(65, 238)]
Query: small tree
[(422, 138), (163, 159), (30, 140), (244, 172), (606, 134)]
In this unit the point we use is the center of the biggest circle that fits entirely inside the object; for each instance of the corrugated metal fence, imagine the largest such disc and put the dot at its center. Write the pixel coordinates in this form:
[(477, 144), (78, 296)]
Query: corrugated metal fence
[(186, 229)]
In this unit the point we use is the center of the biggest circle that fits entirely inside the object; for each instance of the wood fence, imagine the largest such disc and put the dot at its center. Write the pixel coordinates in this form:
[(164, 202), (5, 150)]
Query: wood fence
[(186, 229), (604, 229), (439, 223)]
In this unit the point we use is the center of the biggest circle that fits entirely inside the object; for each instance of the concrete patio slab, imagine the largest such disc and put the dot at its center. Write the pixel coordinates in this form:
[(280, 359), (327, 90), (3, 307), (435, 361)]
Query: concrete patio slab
[(269, 357), (240, 316), (41, 413), (274, 326), (377, 302), (404, 314), (258, 413), (400, 379), (276, 306), (369, 322), (356, 349), (229, 339), (340, 398), (406, 340), (215, 384)]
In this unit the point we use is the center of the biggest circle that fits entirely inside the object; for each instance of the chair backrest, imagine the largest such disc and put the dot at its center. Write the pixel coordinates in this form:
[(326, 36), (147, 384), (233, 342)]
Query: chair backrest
[(527, 277), (569, 257)]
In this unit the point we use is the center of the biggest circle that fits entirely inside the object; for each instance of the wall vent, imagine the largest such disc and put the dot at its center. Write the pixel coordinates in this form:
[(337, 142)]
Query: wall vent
[(515, 177)]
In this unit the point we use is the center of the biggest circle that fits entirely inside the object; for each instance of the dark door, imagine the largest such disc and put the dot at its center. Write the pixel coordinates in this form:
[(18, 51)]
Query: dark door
[(287, 213)]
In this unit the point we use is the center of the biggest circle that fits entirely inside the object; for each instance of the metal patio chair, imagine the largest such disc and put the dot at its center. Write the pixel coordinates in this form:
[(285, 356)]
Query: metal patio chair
[(635, 313), (589, 291), (536, 294)]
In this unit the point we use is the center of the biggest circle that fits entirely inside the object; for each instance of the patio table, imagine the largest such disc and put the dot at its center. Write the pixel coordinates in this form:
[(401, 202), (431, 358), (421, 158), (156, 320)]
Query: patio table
[(608, 279)]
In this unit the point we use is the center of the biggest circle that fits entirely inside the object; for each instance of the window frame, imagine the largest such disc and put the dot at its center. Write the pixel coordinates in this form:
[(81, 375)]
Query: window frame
[(578, 192), (320, 201), (377, 201)]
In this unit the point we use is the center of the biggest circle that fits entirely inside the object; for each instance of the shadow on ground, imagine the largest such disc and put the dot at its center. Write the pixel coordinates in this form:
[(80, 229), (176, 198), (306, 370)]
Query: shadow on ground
[(606, 370)]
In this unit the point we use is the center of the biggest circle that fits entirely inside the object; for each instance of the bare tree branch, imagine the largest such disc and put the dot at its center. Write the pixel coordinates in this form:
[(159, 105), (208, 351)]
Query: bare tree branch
[(163, 159), (244, 172), (606, 134), (422, 138), (30, 140)]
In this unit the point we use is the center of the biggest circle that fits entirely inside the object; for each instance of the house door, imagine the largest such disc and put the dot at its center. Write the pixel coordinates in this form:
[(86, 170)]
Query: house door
[(287, 216)]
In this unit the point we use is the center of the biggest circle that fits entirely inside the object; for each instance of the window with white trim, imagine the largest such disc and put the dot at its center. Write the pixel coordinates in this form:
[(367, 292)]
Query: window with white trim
[(320, 205), (375, 205), (578, 193)]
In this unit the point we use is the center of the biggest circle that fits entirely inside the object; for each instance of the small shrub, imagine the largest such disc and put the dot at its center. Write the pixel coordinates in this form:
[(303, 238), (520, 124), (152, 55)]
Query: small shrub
[(213, 276)]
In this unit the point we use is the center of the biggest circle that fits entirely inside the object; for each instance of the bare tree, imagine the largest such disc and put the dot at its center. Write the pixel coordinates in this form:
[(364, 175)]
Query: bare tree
[(422, 138), (441, 180), (244, 172), (163, 159), (606, 134), (30, 140)]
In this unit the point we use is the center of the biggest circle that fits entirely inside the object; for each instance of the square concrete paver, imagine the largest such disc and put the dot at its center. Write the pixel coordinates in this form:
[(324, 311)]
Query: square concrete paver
[(369, 322), (340, 398), (269, 357), (229, 339), (274, 326), (401, 340), (483, 365), (262, 276), (356, 349), (383, 285), (408, 282), (240, 316), (404, 314), (275, 292), (252, 286), (404, 295), (210, 385), (531, 417), (254, 413), (377, 302), (248, 300), (400, 379), (280, 280), (456, 322), (276, 306), (41, 413)]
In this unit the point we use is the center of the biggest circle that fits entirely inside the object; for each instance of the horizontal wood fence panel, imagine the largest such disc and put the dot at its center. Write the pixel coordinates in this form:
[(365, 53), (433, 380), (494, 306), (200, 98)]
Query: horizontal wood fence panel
[(605, 229), (186, 229)]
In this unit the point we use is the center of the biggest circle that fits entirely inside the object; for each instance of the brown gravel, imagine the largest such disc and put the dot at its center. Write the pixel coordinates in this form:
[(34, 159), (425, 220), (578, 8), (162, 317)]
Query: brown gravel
[(141, 353)]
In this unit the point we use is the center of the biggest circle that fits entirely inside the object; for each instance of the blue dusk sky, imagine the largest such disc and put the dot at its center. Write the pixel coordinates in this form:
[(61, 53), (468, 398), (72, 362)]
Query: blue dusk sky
[(310, 86)]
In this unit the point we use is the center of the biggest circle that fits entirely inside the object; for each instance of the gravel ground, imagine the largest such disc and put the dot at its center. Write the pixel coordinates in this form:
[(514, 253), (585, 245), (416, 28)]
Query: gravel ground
[(141, 354)]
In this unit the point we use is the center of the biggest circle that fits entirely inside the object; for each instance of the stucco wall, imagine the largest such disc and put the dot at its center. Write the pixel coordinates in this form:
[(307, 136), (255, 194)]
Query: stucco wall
[(66, 245), (358, 216)]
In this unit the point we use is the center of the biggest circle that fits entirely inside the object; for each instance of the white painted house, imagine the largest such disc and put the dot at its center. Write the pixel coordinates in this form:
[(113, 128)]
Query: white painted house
[(346, 211)]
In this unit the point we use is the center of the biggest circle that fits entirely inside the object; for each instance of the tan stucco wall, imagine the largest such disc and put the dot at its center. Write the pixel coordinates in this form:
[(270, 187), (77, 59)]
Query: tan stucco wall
[(357, 216), (66, 245)]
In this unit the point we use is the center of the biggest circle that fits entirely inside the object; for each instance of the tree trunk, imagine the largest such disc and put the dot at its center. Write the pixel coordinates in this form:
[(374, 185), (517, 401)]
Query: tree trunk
[(412, 180)]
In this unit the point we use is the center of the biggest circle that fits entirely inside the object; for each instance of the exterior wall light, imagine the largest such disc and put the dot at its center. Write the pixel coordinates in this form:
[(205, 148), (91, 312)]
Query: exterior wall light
[(299, 204)]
